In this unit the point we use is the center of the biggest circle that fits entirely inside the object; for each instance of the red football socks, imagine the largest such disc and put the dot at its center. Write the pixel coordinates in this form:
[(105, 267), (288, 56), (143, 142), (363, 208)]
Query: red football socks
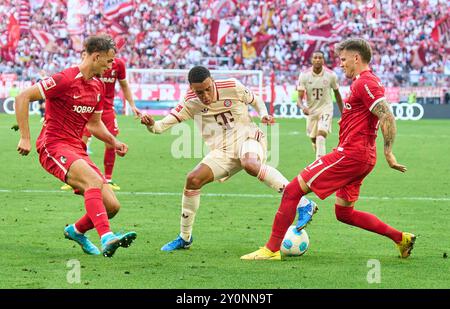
[(84, 224), (285, 214), (366, 221), (108, 162), (96, 210)]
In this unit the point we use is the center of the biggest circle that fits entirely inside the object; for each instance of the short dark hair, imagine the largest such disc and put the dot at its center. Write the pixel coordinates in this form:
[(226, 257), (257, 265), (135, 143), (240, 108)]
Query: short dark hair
[(198, 74), (99, 43), (318, 52), (361, 46)]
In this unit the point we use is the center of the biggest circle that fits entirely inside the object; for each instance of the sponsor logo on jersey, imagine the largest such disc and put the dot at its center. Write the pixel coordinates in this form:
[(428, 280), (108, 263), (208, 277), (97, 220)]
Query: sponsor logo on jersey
[(80, 109), (227, 103), (108, 79), (205, 110), (48, 83)]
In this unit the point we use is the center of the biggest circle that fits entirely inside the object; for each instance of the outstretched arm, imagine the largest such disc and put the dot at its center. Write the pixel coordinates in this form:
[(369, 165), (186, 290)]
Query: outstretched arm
[(159, 126), (96, 126), (389, 130), (22, 106)]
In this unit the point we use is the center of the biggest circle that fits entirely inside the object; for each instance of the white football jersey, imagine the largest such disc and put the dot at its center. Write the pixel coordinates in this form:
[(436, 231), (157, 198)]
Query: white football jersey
[(226, 122), (318, 89)]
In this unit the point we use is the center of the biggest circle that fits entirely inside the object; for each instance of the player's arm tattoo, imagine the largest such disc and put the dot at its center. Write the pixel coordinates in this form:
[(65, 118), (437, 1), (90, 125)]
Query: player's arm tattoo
[(387, 124)]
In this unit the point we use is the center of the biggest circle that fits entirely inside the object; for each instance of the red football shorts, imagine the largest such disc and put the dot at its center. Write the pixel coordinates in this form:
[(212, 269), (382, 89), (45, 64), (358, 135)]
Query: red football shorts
[(110, 121), (336, 173), (57, 159)]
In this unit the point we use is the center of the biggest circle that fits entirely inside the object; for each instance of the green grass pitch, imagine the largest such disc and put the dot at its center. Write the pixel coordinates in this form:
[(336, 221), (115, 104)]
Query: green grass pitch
[(33, 213)]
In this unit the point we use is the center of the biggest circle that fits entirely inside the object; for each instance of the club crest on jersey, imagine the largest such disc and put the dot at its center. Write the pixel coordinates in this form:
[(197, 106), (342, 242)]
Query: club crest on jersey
[(227, 103), (63, 159), (325, 82), (205, 110), (113, 72), (48, 83), (98, 97), (178, 108)]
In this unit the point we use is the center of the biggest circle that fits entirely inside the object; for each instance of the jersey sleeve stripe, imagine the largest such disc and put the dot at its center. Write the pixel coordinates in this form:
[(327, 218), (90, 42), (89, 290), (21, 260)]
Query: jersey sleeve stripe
[(226, 82), (253, 98), (376, 102), (41, 90), (178, 119)]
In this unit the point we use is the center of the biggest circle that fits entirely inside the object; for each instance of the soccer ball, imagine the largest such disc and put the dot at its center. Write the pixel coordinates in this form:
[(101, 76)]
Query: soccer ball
[(295, 243)]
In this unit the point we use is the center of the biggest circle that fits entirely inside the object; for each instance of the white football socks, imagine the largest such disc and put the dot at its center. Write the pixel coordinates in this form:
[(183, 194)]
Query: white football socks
[(320, 146), (190, 203), (272, 178)]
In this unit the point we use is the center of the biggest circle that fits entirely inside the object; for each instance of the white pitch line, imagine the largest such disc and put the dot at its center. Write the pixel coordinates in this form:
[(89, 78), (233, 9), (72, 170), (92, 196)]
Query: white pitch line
[(243, 195)]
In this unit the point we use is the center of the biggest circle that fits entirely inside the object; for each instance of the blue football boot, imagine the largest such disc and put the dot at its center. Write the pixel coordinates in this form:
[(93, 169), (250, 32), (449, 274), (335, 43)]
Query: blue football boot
[(178, 243), (87, 246), (110, 242), (306, 209)]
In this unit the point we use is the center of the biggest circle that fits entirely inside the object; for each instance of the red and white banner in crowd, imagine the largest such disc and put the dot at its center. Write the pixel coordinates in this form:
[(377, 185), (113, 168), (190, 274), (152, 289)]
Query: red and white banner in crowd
[(115, 8), (219, 26), (45, 39), (441, 31), (24, 15), (218, 31), (76, 10)]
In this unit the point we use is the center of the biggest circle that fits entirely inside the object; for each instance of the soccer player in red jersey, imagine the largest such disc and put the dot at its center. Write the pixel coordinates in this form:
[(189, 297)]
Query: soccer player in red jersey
[(74, 99), (109, 78), (343, 170)]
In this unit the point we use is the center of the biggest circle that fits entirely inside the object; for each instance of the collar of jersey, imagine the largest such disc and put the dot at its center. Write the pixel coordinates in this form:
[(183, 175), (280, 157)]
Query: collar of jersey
[(320, 74), (363, 72)]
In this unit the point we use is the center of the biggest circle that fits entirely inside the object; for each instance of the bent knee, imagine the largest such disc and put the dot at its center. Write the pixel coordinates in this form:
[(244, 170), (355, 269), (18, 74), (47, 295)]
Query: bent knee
[(322, 133), (112, 209), (251, 167), (194, 181)]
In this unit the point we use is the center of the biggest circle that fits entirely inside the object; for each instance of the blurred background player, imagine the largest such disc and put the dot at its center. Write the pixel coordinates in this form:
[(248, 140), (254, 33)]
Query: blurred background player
[(220, 109), (317, 83), (74, 99), (343, 170), (109, 78)]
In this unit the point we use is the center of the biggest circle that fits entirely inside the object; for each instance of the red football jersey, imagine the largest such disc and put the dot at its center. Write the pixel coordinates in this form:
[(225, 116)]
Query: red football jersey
[(358, 126), (117, 72), (70, 100)]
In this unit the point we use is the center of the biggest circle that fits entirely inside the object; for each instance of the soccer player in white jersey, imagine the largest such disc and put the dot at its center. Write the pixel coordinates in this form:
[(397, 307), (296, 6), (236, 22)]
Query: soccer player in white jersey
[(317, 82), (220, 109)]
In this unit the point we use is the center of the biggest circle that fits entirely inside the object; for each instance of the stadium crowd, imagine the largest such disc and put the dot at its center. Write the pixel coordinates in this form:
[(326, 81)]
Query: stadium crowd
[(175, 34)]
